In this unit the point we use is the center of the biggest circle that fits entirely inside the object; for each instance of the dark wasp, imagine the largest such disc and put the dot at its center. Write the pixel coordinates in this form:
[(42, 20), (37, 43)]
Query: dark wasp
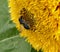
[(21, 20), (26, 19)]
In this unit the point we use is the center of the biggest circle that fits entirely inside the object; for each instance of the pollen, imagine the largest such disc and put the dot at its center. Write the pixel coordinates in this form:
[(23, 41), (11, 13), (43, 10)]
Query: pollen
[(43, 17)]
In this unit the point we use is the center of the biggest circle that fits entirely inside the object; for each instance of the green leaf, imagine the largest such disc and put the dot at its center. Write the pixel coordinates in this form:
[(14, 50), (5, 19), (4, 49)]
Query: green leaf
[(6, 26), (33, 50), (14, 44), (8, 33)]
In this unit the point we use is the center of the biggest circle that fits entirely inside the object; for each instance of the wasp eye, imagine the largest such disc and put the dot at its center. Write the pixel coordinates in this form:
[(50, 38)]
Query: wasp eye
[(21, 20)]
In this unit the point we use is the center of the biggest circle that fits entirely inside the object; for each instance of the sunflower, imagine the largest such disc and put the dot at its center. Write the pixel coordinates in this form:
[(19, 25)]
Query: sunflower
[(38, 21)]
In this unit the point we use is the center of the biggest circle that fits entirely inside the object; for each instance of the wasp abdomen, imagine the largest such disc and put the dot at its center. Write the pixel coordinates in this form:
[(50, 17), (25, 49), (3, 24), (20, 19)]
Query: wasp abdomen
[(26, 26)]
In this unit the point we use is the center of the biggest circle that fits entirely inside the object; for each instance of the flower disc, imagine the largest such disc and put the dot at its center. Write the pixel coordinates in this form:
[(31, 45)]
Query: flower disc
[(43, 19)]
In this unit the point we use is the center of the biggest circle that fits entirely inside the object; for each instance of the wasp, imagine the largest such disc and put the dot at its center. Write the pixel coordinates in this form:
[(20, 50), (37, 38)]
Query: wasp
[(23, 23), (26, 19)]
